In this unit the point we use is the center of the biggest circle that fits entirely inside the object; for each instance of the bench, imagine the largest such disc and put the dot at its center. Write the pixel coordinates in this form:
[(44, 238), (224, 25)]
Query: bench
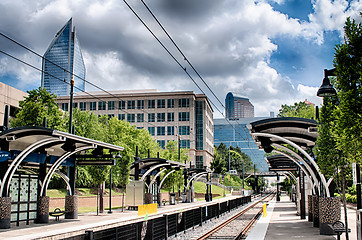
[(339, 228), (56, 213)]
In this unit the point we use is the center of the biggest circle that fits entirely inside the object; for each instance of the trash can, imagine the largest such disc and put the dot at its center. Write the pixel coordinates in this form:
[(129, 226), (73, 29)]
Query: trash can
[(358, 224), (184, 197), (172, 198)]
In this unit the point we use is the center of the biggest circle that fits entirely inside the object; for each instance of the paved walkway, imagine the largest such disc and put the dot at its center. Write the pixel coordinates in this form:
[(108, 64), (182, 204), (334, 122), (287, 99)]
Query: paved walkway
[(282, 223)]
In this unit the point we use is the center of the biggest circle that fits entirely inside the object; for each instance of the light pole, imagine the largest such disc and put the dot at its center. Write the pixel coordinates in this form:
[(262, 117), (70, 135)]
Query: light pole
[(327, 90)]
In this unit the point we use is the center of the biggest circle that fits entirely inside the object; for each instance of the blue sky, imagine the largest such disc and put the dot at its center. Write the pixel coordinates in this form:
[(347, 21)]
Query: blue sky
[(272, 52)]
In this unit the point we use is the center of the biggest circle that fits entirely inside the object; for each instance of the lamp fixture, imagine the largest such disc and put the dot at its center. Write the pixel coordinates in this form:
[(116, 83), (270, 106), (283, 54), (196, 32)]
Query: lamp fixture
[(326, 89)]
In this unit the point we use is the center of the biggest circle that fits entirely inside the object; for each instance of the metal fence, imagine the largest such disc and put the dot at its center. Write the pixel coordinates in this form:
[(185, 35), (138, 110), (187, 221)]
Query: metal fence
[(166, 225)]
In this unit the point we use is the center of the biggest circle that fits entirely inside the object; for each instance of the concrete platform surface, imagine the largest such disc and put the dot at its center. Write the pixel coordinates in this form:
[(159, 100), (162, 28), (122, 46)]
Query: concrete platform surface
[(282, 223), (66, 228)]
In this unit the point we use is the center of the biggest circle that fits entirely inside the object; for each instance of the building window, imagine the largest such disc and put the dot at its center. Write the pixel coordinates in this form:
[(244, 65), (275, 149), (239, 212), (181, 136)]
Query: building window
[(170, 103), (183, 102), (121, 104), (140, 117), (160, 117), (121, 116), (184, 130), (199, 125), (170, 130), (83, 106), (199, 161), (151, 117), (140, 104), (170, 117), (161, 131), (65, 107), (184, 116), (92, 106), (110, 116), (110, 105), (130, 118), (151, 103), (151, 130), (131, 104), (161, 103), (101, 105), (75, 105), (184, 143), (161, 143)]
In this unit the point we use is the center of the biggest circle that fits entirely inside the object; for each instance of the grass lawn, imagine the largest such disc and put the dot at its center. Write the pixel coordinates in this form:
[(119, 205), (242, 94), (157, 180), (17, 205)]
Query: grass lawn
[(83, 192)]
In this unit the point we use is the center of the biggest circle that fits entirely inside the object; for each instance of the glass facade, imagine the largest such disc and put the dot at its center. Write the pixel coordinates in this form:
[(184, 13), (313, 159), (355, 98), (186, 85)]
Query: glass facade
[(236, 134), (199, 125), (63, 59), (199, 161)]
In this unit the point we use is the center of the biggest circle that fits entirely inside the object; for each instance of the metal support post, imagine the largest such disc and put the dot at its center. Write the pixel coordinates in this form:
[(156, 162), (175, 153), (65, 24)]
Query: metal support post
[(358, 186), (278, 197), (110, 191), (302, 194)]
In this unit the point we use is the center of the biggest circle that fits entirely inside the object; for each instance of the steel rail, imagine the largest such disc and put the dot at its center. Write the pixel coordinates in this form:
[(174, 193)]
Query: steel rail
[(220, 226)]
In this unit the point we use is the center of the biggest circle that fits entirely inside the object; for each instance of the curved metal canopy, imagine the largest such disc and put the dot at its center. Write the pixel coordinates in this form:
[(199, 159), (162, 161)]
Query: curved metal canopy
[(281, 163), (301, 131), (150, 163), (35, 144)]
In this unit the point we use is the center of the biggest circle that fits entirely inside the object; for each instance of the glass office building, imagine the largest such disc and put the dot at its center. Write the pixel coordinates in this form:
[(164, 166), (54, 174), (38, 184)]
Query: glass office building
[(235, 133), (238, 107), (63, 59)]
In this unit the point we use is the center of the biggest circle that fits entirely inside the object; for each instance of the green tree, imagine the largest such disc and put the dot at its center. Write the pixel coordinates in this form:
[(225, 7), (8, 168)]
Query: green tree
[(39, 104), (220, 163), (339, 141), (171, 153), (348, 64), (300, 109)]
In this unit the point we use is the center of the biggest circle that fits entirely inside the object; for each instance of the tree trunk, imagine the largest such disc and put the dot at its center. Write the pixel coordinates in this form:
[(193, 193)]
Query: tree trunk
[(345, 206)]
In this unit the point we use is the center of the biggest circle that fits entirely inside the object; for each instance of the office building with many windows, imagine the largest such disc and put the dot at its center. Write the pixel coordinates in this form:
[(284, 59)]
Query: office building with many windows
[(63, 61), (235, 133), (238, 107), (183, 116)]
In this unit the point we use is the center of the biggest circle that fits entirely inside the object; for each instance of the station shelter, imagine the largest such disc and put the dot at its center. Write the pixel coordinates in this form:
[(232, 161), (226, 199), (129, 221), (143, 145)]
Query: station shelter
[(293, 138), (30, 157)]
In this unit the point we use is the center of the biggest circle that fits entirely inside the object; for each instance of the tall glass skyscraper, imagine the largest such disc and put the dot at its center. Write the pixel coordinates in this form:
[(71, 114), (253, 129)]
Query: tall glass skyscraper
[(235, 133), (62, 60), (238, 107)]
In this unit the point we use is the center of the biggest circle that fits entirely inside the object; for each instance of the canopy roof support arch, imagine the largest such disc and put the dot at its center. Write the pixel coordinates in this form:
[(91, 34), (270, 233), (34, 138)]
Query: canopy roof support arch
[(324, 183)]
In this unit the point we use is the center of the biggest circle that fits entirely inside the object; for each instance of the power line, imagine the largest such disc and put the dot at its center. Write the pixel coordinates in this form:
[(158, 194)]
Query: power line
[(183, 55), (93, 96), (164, 47), (186, 59)]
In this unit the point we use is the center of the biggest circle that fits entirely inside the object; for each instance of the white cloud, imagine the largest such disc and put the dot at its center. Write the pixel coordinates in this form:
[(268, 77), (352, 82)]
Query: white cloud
[(229, 42)]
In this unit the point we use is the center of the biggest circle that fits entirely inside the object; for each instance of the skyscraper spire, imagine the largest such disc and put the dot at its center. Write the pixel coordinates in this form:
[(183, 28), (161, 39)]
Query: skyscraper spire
[(62, 60)]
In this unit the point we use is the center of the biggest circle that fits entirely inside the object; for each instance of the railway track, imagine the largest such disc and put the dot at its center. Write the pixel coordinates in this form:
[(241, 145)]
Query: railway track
[(237, 226)]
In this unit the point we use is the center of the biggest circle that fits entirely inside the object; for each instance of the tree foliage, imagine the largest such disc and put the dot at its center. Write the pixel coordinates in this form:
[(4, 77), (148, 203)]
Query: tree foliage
[(340, 130), (301, 109), (348, 64), (220, 163), (170, 152), (39, 104)]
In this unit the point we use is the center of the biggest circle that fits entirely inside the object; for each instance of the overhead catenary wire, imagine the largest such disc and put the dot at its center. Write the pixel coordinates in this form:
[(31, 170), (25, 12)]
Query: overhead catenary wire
[(66, 70), (184, 68), (186, 59)]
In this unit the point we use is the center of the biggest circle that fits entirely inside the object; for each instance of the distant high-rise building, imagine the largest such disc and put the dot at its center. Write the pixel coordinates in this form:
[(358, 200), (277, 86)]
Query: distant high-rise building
[(62, 60), (179, 116), (238, 107)]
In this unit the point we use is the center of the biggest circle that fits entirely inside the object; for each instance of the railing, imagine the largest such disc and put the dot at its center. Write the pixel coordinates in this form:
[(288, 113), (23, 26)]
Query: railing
[(166, 225)]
